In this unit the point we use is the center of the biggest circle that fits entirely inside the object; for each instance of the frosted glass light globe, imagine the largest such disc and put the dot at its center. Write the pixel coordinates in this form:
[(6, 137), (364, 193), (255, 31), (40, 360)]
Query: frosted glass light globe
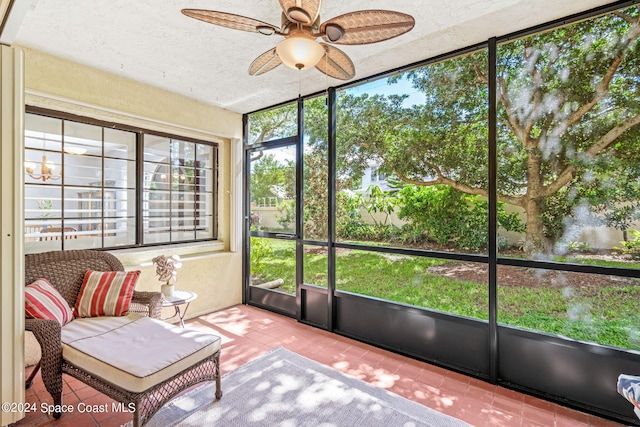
[(299, 52)]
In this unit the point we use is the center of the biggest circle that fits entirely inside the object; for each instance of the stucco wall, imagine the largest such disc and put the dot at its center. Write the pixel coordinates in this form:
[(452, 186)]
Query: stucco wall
[(212, 271), (85, 85)]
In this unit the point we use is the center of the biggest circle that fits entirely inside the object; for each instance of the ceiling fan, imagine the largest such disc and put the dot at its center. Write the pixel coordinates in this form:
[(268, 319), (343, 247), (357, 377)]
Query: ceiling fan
[(301, 27)]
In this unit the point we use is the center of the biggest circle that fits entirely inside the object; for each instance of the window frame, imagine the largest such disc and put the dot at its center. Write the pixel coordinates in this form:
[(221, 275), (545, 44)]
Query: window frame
[(139, 161), (214, 176)]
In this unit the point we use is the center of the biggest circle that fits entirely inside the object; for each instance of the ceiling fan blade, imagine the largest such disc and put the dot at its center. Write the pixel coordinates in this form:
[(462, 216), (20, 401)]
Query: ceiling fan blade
[(366, 26), (335, 63), (301, 11), (230, 20), (265, 62)]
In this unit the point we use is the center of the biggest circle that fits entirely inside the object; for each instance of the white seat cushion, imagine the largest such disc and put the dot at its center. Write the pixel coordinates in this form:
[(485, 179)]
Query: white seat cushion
[(134, 352)]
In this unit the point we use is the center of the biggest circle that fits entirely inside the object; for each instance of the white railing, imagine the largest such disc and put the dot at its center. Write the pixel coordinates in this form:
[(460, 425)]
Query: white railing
[(267, 202)]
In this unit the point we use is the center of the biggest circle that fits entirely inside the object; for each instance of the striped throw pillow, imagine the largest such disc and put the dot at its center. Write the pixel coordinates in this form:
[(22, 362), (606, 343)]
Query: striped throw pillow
[(106, 293), (43, 301)]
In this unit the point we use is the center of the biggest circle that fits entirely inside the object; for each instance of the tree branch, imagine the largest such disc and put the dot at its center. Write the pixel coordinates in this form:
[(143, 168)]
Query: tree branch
[(512, 121), (536, 77), (598, 147), (517, 201), (623, 16), (613, 134), (602, 89), (482, 78)]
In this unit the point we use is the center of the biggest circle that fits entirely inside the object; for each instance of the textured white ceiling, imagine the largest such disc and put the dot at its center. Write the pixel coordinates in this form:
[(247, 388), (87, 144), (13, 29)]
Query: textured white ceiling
[(152, 42)]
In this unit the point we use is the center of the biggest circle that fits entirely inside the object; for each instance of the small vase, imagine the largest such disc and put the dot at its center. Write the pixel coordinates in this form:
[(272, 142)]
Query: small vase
[(167, 290)]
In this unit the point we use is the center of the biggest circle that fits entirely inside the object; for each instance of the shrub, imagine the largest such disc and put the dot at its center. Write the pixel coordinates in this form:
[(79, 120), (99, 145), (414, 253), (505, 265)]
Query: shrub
[(631, 247), (410, 234), (378, 201), (261, 250), (255, 221), (452, 218), (579, 247), (287, 210), (349, 223)]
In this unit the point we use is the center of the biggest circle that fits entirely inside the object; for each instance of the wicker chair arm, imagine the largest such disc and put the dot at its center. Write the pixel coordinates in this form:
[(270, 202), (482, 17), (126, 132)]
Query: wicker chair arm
[(147, 303), (47, 332)]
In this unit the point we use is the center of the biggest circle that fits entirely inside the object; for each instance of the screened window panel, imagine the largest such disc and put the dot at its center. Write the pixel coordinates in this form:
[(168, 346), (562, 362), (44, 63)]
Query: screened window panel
[(316, 266), (585, 171), (263, 127), (436, 136), (156, 148), (272, 177), (316, 169)]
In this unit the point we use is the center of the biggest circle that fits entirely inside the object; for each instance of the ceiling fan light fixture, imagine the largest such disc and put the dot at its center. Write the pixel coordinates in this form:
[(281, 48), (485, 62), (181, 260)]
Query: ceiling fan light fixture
[(299, 52), (334, 32)]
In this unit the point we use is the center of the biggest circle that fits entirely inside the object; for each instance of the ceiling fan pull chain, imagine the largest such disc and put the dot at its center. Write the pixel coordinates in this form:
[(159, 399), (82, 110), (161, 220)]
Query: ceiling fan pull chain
[(326, 75)]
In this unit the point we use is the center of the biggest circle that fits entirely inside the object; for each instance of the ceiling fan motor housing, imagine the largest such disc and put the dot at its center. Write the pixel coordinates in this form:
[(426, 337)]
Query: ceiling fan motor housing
[(287, 24)]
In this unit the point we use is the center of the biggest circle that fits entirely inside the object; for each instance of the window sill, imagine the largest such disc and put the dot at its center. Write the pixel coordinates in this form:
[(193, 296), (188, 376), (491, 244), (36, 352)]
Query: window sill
[(143, 256)]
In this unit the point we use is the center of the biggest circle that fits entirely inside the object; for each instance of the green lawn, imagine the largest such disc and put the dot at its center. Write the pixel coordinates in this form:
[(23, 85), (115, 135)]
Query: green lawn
[(606, 315), (598, 261)]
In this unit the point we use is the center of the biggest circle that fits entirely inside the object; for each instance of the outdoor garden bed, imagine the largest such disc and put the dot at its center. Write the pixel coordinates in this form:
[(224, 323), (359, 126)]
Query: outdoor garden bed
[(518, 276)]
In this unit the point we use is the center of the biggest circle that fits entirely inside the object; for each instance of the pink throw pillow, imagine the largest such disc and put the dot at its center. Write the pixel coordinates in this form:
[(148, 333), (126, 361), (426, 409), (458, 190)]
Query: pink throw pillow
[(43, 301)]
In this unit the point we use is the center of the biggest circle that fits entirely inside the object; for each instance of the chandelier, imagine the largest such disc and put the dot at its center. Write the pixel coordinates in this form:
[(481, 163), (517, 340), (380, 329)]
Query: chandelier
[(46, 170)]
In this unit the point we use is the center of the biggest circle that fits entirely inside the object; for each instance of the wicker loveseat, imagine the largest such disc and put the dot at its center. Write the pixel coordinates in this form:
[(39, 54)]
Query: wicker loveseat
[(143, 393)]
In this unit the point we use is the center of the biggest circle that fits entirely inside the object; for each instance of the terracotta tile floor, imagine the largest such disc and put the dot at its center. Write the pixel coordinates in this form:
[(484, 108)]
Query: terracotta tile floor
[(248, 332)]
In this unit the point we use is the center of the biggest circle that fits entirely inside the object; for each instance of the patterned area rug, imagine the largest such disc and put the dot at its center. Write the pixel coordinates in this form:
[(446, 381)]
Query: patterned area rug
[(284, 389)]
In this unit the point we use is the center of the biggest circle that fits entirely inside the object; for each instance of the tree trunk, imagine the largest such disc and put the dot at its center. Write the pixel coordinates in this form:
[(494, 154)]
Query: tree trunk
[(535, 241)]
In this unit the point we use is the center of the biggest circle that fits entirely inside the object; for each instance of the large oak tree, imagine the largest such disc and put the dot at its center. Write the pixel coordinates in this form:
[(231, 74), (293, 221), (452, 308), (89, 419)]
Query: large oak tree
[(567, 128)]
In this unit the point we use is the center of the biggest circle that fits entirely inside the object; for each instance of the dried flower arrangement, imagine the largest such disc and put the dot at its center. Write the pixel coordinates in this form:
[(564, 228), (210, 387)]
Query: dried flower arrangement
[(166, 268)]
